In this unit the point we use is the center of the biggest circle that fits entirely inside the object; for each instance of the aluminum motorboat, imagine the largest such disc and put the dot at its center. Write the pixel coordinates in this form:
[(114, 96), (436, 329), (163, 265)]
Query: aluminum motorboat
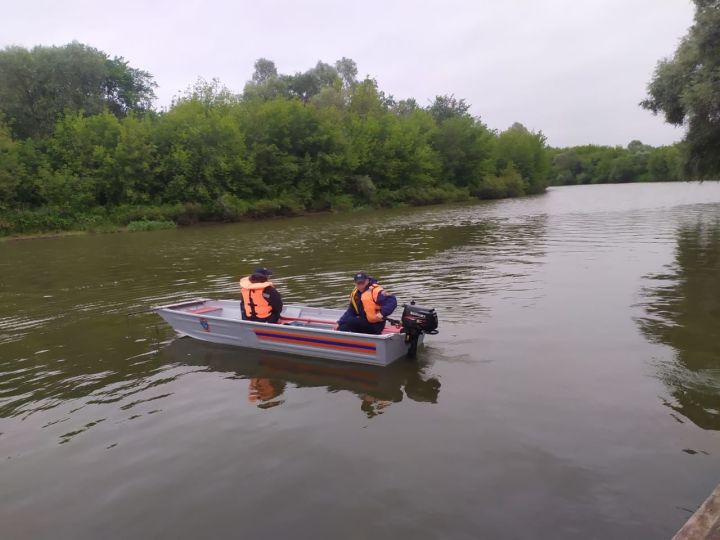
[(302, 330)]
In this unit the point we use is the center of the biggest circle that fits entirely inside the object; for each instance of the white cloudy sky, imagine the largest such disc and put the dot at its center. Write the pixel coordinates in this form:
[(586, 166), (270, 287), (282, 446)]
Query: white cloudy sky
[(575, 69)]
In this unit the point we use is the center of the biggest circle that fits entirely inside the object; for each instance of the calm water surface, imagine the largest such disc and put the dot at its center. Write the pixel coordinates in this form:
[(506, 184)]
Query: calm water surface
[(573, 392)]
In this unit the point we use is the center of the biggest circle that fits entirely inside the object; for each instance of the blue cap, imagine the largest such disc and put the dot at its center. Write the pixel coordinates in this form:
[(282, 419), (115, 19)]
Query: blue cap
[(360, 276), (263, 271)]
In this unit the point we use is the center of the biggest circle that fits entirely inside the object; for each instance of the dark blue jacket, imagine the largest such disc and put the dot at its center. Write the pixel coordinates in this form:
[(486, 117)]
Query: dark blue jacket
[(387, 303)]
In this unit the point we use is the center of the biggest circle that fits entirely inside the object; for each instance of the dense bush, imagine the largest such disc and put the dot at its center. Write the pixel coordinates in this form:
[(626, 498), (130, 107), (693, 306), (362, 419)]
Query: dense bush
[(148, 225), (508, 183)]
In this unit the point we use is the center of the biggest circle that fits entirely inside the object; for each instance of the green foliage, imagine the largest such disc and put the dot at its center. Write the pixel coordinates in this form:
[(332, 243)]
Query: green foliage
[(686, 90), (599, 164), (286, 205), (466, 150), (37, 86), (342, 203), (446, 107), (436, 195), (44, 219), (147, 225), (265, 70), (228, 207), (124, 214), (665, 163), (508, 183), (527, 153), (201, 153), (320, 140), (10, 167)]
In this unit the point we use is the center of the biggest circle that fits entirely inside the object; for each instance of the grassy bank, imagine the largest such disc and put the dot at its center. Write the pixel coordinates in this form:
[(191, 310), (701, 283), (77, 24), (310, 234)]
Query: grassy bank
[(51, 221)]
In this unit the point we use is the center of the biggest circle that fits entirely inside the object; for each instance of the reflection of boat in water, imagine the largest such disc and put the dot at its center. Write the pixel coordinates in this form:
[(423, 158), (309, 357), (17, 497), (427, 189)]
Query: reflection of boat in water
[(303, 330), (269, 373)]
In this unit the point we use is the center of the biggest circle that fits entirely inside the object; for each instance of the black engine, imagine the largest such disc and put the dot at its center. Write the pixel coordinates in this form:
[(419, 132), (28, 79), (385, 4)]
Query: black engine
[(415, 321)]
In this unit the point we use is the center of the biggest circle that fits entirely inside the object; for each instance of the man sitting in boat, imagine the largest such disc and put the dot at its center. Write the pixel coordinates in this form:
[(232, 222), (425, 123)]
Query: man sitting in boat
[(260, 301), (369, 305)]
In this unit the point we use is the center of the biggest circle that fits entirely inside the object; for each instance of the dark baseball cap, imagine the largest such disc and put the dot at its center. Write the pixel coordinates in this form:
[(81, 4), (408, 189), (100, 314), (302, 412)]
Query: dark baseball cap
[(360, 276), (263, 271)]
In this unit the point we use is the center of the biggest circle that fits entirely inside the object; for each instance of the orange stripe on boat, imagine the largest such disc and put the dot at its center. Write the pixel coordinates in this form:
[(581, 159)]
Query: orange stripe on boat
[(332, 340), (345, 348), (318, 342)]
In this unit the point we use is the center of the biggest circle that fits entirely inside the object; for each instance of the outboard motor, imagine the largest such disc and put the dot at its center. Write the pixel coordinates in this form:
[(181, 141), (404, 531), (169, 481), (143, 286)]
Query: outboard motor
[(416, 321)]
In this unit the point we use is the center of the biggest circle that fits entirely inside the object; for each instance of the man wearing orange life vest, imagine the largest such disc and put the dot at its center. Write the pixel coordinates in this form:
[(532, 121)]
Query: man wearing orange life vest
[(259, 300), (369, 305)]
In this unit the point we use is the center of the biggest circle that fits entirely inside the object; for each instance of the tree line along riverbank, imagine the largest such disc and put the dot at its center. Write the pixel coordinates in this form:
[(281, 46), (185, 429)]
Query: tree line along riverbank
[(82, 148)]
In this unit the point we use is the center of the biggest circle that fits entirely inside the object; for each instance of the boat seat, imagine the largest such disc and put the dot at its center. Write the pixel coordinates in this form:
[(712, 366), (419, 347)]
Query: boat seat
[(391, 329), (314, 323), (291, 313), (204, 309)]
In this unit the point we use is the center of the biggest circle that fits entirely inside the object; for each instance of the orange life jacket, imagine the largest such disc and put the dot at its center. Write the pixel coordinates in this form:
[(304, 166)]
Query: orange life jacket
[(255, 304), (369, 300)]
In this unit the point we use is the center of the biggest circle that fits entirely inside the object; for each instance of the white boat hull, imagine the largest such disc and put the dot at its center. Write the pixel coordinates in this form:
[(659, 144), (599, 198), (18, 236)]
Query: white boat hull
[(302, 330)]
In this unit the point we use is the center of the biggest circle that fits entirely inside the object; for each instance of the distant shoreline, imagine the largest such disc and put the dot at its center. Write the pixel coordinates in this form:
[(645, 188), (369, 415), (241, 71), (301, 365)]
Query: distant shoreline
[(142, 225), (108, 227)]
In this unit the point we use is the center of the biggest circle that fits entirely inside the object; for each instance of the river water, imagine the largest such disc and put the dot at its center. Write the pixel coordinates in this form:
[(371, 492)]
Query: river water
[(573, 392)]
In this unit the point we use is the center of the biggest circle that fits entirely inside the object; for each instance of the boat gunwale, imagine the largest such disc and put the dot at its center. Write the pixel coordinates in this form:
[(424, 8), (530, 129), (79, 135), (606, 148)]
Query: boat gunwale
[(169, 307)]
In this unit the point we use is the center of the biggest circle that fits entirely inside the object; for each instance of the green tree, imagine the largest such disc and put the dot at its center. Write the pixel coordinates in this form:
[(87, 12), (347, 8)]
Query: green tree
[(527, 152), (201, 153), (82, 152), (465, 147), (209, 93), (136, 162), (10, 167), (686, 90), (347, 70), (637, 147), (407, 157), (265, 70), (311, 82), (38, 85), (665, 163), (444, 107), (405, 107), (366, 99), (566, 168), (598, 164), (265, 84), (626, 168), (298, 152)]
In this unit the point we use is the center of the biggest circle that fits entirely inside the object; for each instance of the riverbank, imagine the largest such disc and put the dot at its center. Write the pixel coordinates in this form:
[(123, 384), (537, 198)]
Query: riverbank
[(135, 226), (55, 221), (43, 236)]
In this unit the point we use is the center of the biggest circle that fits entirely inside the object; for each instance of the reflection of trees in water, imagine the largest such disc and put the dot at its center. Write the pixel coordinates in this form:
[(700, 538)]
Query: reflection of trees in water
[(269, 374), (683, 311)]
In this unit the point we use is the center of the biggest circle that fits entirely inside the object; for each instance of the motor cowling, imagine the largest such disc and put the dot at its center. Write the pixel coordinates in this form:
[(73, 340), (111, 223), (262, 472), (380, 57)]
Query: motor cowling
[(417, 320)]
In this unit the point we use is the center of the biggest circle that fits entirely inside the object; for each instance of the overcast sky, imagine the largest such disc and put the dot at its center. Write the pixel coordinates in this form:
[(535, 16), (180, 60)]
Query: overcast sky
[(575, 69)]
